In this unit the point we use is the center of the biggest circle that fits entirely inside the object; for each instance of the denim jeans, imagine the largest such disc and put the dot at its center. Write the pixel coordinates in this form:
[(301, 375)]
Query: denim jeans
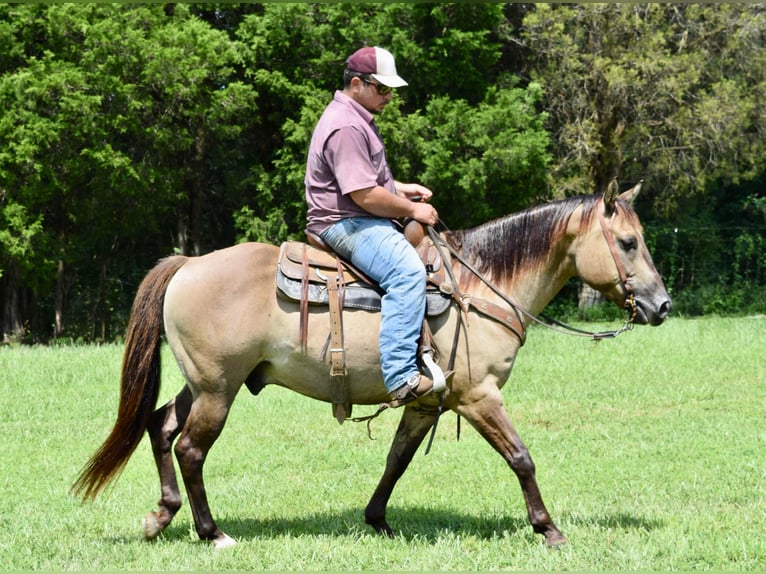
[(382, 252)]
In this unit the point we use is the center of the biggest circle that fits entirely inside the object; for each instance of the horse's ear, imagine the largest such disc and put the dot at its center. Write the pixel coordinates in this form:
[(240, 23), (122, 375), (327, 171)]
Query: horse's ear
[(610, 196), (631, 194)]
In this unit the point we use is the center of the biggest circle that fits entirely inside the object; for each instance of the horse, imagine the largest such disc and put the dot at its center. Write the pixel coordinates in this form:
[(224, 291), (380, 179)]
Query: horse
[(227, 326)]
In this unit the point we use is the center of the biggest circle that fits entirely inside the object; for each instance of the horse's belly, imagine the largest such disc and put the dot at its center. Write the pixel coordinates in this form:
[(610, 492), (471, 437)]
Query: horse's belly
[(309, 373)]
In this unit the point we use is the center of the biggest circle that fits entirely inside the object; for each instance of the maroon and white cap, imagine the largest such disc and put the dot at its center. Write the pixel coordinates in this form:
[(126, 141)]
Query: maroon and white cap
[(377, 62)]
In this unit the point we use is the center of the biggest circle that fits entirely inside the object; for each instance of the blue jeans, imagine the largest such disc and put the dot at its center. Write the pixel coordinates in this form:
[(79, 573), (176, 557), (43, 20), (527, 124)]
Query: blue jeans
[(382, 252)]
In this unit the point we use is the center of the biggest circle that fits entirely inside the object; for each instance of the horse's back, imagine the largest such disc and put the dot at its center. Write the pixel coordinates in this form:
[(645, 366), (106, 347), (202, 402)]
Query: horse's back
[(223, 280)]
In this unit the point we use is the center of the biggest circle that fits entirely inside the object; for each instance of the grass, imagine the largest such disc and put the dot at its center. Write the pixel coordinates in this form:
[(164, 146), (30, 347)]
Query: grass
[(650, 450)]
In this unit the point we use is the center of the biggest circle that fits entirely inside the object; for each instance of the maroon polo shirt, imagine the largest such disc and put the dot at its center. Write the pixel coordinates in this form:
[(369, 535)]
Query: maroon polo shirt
[(346, 154)]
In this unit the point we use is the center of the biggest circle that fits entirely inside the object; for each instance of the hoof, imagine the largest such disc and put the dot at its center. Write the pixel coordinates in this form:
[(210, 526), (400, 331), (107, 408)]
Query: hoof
[(151, 526), (224, 541), (381, 527), (556, 541)]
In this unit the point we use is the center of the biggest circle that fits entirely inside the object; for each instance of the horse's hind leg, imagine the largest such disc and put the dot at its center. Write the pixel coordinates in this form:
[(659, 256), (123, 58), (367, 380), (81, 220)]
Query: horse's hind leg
[(164, 426), (489, 417), (203, 426), (413, 428)]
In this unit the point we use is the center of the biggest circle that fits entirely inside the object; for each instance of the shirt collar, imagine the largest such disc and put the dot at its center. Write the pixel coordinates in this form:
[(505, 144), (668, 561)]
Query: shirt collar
[(358, 108)]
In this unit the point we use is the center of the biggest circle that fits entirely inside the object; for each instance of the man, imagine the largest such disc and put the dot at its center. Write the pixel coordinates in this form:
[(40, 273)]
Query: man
[(352, 199)]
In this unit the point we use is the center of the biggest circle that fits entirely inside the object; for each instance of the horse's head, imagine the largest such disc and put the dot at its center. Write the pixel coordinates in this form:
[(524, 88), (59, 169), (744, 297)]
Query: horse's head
[(611, 257)]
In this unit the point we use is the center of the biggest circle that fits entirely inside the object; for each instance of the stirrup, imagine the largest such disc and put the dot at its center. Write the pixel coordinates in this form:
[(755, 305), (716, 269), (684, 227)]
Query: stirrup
[(433, 371)]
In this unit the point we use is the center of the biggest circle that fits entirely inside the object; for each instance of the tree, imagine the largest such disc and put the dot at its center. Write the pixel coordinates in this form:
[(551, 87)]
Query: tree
[(486, 160), (664, 92), (48, 121), (120, 125)]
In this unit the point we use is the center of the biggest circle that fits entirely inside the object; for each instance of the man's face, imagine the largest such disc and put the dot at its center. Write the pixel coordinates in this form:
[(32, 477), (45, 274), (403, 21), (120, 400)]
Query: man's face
[(367, 93)]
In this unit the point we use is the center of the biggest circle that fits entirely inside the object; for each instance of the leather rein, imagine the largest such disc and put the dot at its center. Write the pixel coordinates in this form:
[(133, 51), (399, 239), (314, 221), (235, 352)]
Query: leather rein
[(495, 312)]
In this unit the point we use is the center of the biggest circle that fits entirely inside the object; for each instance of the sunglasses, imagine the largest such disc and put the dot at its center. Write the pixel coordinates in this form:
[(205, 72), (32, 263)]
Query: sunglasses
[(380, 88)]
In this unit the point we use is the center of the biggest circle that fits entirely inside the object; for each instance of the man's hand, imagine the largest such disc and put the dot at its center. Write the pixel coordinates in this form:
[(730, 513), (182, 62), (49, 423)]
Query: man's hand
[(413, 191), (425, 213)]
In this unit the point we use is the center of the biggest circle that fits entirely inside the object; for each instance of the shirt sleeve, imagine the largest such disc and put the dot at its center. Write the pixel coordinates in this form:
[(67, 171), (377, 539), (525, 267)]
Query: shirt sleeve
[(348, 153)]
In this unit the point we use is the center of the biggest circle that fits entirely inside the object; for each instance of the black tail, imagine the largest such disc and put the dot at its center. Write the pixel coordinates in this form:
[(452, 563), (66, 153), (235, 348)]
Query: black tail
[(140, 382)]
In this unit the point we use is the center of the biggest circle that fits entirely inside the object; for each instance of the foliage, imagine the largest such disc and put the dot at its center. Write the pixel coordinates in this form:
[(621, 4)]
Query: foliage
[(663, 92), (488, 159), (112, 133), (131, 131)]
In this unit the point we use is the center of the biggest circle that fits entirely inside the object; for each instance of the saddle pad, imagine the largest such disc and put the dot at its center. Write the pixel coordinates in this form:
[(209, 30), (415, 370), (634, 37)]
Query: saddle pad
[(357, 294), (317, 274)]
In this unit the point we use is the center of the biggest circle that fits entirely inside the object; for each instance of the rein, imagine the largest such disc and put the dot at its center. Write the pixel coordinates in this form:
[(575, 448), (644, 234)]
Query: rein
[(464, 302)]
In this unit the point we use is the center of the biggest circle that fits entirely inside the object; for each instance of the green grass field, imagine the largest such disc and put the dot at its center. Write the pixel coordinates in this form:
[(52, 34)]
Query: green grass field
[(650, 453)]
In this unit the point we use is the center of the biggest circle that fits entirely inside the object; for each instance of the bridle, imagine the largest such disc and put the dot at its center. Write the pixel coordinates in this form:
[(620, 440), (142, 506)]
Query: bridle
[(630, 298)]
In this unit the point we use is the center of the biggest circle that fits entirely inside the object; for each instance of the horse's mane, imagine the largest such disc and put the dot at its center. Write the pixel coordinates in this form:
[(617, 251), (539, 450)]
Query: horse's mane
[(501, 247)]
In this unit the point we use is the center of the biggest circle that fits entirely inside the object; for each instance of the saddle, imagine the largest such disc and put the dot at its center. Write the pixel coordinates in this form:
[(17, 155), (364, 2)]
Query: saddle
[(310, 274), (303, 272)]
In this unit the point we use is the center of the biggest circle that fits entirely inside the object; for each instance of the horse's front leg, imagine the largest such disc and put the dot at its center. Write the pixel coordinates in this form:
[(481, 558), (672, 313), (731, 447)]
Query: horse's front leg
[(164, 426), (413, 428), (487, 415)]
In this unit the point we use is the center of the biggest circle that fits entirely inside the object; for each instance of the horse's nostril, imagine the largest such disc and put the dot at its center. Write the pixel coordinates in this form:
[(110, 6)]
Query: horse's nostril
[(665, 309)]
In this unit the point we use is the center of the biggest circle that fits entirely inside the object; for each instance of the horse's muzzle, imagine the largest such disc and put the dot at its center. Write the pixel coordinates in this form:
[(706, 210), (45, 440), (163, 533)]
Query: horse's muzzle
[(652, 313)]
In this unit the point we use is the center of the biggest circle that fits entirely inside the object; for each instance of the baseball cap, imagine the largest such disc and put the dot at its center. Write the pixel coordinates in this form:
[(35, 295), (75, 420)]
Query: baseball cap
[(377, 62)]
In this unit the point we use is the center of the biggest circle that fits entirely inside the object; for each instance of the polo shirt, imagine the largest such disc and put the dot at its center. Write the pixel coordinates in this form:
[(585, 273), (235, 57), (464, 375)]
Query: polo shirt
[(346, 154)]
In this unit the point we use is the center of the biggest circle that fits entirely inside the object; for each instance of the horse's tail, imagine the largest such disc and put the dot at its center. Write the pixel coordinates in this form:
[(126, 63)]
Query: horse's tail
[(139, 384)]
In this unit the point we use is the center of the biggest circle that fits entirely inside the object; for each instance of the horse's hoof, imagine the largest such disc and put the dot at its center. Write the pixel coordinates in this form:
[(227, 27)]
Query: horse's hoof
[(556, 541), (224, 541), (151, 526), (381, 527)]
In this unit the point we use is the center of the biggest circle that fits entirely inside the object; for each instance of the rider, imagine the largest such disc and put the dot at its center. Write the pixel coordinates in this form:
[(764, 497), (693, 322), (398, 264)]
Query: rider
[(352, 199)]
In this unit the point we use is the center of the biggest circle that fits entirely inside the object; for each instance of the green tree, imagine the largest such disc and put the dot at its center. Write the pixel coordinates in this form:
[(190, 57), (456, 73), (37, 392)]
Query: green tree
[(664, 92), (486, 160), (48, 121), (119, 122)]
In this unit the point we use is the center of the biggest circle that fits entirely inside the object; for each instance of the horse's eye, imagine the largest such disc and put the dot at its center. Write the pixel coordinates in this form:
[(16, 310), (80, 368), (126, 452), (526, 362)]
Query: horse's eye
[(628, 244)]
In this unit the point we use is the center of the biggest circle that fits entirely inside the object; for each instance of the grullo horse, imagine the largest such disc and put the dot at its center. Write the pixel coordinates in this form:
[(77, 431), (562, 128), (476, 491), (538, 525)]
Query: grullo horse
[(227, 326)]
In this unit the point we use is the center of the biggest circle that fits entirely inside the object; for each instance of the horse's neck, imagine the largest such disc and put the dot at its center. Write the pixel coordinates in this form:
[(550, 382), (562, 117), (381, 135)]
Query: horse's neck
[(530, 268), (531, 288)]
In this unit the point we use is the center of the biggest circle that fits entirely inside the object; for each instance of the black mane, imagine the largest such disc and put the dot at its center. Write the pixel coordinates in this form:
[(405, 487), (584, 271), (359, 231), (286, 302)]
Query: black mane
[(500, 247)]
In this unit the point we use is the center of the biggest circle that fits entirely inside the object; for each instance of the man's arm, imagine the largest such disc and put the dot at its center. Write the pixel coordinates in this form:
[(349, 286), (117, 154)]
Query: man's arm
[(379, 201)]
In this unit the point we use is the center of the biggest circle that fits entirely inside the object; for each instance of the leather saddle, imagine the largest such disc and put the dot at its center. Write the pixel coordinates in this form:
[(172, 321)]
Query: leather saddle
[(310, 274), (298, 279)]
